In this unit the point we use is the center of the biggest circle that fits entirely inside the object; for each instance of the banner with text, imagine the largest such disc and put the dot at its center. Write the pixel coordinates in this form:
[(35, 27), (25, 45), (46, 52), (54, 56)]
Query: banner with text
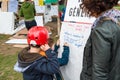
[(75, 13), (76, 35), (75, 31)]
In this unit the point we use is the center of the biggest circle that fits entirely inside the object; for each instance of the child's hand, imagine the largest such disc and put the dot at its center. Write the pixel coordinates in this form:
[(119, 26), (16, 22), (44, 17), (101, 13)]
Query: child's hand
[(66, 44), (45, 47), (58, 42)]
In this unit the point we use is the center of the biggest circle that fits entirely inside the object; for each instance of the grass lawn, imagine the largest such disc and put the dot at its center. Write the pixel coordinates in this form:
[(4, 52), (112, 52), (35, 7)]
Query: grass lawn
[(6, 67), (7, 62), (117, 7)]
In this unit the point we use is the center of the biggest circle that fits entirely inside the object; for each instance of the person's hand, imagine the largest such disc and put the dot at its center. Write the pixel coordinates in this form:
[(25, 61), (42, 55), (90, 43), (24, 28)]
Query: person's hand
[(58, 42), (66, 44), (45, 47)]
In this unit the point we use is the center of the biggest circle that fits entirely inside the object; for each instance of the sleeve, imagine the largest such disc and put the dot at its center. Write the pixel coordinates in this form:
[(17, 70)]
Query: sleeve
[(56, 47), (65, 56), (50, 64), (21, 12), (101, 50), (34, 9)]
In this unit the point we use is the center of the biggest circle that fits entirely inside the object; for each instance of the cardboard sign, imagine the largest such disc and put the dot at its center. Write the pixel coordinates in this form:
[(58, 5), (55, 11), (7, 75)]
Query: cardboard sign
[(17, 41), (7, 23), (76, 35), (75, 13), (75, 31)]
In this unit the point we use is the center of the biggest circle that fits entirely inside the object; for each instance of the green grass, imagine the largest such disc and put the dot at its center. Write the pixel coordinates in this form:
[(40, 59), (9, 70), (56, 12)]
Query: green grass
[(6, 67), (117, 7), (4, 37), (7, 62)]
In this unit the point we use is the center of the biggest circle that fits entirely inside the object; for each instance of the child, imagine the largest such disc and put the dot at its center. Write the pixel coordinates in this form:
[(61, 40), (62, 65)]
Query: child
[(38, 61), (65, 54), (27, 10)]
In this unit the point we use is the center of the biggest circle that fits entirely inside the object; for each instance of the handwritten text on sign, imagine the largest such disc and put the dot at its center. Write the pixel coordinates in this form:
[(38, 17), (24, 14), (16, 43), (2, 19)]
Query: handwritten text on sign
[(76, 33)]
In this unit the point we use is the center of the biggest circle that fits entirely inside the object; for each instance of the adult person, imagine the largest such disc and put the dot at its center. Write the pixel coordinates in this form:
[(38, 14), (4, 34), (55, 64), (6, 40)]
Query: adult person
[(101, 60), (27, 11), (62, 6), (0, 3)]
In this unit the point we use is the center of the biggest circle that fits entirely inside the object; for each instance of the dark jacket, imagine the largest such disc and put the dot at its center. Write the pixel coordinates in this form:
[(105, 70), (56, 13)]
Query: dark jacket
[(63, 60), (101, 59), (36, 67), (65, 55)]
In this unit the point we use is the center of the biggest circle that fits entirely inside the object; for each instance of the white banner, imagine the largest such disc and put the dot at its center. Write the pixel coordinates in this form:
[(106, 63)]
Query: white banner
[(75, 30), (75, 13), (76, 35)]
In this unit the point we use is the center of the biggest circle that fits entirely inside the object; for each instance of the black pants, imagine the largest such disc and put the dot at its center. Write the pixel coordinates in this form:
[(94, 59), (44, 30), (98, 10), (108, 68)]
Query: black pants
[(0, 4), (30, 24)]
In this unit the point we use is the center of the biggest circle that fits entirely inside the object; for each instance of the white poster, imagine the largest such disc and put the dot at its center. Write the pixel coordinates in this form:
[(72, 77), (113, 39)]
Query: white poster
[(36, 2), (54, 10), (13, 6), (76, 35), (40, 9), (75, 13), (75, 30), (47, 15), (8, 20), (39, 20)]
